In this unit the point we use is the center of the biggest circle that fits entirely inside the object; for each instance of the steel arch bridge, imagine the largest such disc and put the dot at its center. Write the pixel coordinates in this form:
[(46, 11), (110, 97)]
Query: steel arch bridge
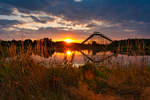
[(97, 34), (98, 47)]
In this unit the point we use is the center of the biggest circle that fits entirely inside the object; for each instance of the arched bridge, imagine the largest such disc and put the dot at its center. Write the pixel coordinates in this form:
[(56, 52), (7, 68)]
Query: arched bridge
[(98, 47), (97, 34)]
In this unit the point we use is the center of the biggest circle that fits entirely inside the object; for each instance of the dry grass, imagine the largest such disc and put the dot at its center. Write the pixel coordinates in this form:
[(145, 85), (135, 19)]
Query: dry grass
[(21, 78)]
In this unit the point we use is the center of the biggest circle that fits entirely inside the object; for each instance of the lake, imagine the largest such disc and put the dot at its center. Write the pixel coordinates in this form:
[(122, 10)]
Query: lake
[(78, 58)]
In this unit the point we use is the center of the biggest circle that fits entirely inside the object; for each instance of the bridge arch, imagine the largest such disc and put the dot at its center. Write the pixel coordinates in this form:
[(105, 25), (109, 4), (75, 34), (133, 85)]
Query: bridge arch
[(97, 34)]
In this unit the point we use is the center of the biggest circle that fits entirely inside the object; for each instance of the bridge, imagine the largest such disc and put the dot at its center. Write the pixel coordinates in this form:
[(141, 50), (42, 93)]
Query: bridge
[(97, 34), (101, 37)]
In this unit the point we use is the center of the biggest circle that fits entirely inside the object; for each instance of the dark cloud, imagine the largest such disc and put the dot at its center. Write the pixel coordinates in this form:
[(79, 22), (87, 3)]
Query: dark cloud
[(28, 4), (41, 19), (6, 23), (88, 9), (5, 9), (130, 14), (37, 20)]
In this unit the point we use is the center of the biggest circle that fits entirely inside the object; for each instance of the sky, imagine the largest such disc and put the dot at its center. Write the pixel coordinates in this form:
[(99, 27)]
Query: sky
[(76, 19)]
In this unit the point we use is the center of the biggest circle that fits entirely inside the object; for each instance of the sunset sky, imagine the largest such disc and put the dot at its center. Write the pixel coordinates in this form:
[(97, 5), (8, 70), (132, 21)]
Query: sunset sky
[(75, 19)]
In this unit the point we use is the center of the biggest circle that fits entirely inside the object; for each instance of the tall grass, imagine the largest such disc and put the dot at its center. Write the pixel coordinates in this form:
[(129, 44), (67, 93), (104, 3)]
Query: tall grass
[(22, 78)]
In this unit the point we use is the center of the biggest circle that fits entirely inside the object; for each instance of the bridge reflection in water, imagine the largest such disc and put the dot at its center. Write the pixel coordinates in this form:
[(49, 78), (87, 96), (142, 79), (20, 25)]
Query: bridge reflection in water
[(75, 57)]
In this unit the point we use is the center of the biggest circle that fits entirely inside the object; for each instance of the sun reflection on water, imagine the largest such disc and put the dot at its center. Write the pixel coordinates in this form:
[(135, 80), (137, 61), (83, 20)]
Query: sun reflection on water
[(68, 52)]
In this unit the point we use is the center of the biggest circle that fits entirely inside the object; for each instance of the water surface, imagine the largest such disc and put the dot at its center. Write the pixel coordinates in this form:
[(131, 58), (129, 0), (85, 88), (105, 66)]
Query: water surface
[(78, 58)]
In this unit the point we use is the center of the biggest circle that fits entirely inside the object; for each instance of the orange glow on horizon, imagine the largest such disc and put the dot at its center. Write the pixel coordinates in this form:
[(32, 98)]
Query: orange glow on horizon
[(68, 40)]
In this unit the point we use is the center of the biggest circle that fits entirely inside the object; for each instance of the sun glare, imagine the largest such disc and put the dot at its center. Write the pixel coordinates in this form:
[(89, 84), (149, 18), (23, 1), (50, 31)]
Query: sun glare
[(68, 52), (68, 40)]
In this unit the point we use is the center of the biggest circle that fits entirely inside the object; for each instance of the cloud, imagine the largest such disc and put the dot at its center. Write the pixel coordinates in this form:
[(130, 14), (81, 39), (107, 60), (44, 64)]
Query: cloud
[(7, 22), (6, 25), (57, 23), (78, 0), (5, 9), (37, 20), (114, 17), (114, 10), (129, 30)]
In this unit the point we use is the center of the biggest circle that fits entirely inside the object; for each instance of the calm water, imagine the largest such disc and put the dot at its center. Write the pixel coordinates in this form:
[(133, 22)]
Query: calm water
[(81, 57)]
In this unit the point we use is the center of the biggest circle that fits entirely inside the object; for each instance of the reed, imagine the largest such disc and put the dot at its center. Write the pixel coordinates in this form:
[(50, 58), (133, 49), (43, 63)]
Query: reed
[(22, 78)]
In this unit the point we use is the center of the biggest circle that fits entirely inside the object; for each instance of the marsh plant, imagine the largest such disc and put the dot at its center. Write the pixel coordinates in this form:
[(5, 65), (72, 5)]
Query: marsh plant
[(22, 78)]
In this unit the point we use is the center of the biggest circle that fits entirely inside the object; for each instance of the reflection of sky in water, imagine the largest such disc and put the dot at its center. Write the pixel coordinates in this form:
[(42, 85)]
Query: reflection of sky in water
[(77, 58), (138, 60)]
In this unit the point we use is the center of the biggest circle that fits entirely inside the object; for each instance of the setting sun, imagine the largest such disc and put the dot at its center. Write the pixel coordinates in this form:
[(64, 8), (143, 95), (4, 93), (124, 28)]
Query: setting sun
[(68, 40)]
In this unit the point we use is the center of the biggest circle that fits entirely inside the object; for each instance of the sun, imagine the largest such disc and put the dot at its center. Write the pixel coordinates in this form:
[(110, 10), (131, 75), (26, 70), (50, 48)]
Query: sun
[(68, 40)]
